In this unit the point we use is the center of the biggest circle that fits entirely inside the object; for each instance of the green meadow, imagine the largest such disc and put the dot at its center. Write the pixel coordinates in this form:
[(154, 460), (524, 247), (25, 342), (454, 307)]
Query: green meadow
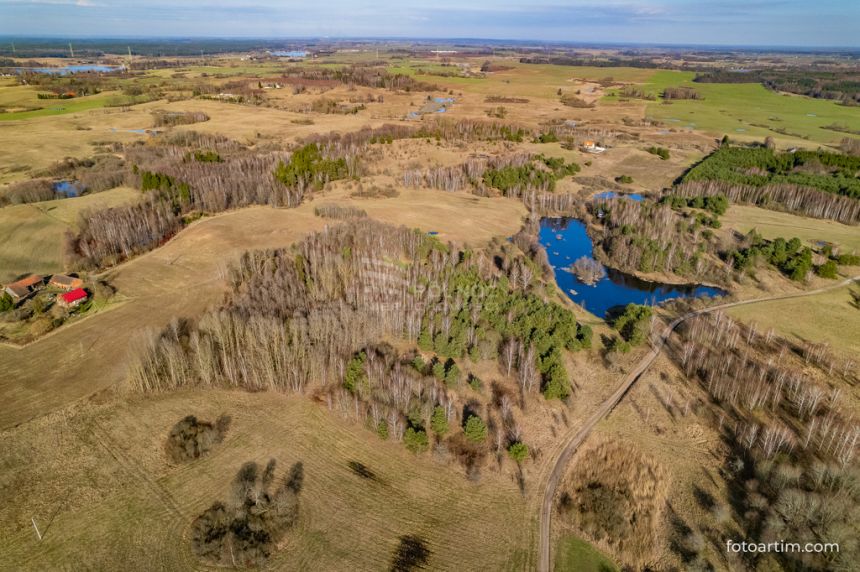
[(747, 111)]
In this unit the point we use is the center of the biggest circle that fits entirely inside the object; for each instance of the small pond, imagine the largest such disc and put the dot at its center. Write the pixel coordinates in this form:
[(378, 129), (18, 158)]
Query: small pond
[(613, 195), (566, 240), (68, 188)]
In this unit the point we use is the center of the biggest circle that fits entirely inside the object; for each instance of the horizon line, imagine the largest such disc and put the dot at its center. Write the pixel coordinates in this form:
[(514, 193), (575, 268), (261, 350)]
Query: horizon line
[(440, 39)]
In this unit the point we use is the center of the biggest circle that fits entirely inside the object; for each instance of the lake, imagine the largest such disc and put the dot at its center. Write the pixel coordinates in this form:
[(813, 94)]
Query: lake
[(289, 54), (565, 240), (72, 69)]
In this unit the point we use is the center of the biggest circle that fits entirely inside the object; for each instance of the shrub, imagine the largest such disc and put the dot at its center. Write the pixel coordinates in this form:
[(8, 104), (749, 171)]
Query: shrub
[(191, 438), (519, 452), (355, 378), (475, 429), (549, 137), (624, 179), (382, 429), (661, 152), (439, 421), (827, 270), (415, 440), (848, 260), (248, 528), (411, 554)]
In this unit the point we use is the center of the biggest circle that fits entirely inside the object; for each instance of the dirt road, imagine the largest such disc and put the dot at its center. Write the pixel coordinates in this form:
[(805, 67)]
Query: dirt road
[(576, 437)]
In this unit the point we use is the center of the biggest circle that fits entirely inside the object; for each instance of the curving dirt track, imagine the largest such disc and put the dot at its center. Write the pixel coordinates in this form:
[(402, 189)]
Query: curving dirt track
[(576, 437)]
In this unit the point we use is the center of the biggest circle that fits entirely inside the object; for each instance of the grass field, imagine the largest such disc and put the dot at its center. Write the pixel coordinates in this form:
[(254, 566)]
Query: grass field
[(747, 111), (824, 318), (49, 107), (99, 485), (773, 224), (528, 80), (575, 555), (31, 235)]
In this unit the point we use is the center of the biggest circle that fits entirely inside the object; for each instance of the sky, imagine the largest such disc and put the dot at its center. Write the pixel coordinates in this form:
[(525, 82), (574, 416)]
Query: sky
[(798, 23)]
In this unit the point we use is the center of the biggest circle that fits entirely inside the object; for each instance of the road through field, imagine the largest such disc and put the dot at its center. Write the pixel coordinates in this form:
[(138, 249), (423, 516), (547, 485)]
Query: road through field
[(576, 437)]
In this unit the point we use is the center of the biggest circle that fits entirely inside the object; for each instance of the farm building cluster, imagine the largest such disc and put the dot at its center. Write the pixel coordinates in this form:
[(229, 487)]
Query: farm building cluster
[(72, 287)]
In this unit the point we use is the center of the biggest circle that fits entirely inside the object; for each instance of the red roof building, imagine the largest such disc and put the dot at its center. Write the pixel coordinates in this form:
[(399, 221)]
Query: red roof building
[(73, 298), (25, 286)]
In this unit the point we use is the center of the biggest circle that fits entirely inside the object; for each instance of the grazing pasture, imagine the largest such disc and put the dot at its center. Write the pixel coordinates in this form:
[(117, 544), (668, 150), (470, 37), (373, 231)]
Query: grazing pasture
[(772, 224), (746, 111), (832, 318), (31, 235)]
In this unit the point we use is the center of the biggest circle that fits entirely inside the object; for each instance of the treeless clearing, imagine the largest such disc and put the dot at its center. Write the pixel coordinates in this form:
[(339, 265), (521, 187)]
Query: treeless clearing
[(823, 318), (31, 235), (98, 483), (34, 144), (184, 277), (773, 224)]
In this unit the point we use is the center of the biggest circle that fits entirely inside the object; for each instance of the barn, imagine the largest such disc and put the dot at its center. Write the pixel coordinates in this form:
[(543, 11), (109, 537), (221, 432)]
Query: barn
[(65, 282), (72, 298), (22, 288)]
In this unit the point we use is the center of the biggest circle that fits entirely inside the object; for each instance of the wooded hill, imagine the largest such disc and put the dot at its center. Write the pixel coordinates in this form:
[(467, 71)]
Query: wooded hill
[(314, 316)]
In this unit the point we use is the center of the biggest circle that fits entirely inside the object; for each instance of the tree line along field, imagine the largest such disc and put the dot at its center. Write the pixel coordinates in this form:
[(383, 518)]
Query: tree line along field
[(264, 177)]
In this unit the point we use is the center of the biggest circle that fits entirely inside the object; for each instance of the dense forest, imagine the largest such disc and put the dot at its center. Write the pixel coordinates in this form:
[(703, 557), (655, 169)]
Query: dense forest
[(317, 312), (511, 175), (651, 237), (363, 75), (819, 183), (758, 166)]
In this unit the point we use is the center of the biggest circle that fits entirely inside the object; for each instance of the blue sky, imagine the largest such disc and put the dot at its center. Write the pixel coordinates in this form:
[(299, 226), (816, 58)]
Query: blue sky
[(732, 22)]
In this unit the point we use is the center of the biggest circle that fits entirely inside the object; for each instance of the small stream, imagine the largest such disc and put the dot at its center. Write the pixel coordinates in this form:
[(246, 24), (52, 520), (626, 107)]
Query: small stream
[(565, 240)]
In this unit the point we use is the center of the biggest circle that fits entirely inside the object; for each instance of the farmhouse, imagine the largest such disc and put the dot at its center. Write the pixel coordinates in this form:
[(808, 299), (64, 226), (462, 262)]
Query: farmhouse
[(72, 298), (22, 288), (592, 147), (65, 282)]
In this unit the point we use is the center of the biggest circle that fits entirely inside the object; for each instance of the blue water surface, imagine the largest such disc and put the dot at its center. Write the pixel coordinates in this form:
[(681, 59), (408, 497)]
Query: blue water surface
[(71, 69), (290, 53), (565, 240), (68, 188), (612, 195)]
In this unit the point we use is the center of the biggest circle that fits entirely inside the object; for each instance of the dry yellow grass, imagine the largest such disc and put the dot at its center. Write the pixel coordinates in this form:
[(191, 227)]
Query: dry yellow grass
[(823, 318), (773, 224), (100, 487), (31, 235), (27, 146)]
